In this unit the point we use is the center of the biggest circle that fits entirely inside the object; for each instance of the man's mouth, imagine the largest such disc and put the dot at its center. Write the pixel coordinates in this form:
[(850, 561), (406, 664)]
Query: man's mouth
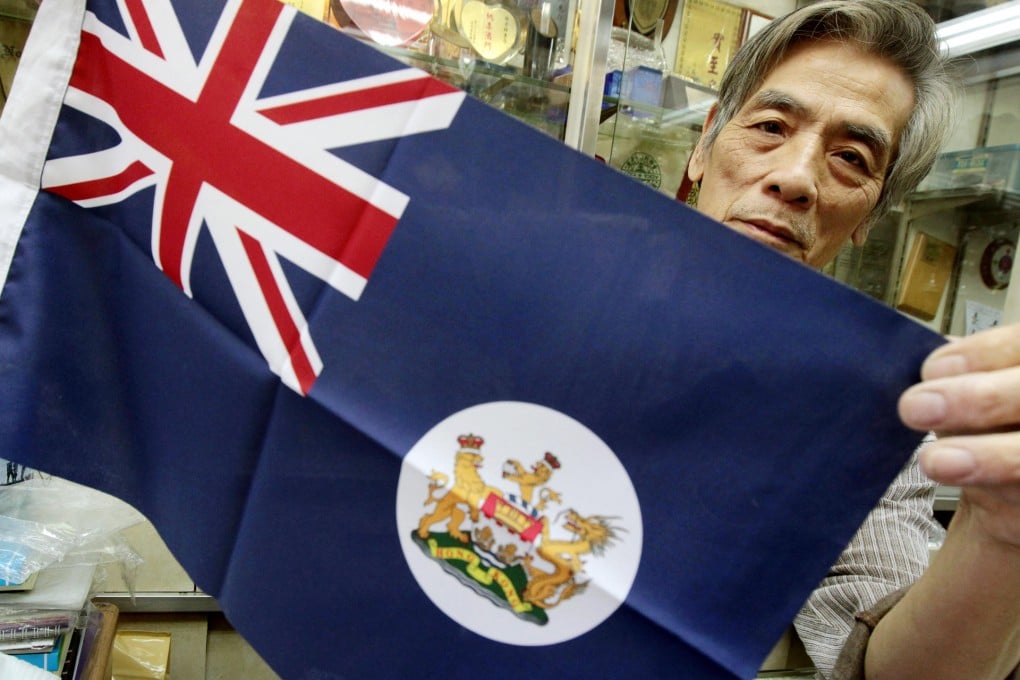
[(776, 235)]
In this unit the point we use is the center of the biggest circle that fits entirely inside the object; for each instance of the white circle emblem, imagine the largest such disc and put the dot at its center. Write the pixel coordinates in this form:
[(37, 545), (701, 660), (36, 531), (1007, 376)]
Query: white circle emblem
[(519, 523)]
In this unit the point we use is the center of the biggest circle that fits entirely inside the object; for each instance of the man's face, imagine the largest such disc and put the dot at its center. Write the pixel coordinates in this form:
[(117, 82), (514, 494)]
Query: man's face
[(803, 162)]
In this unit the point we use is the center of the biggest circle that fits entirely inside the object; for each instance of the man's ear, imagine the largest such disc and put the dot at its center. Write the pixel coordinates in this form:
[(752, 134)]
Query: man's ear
[(860, 234), (696, 163)]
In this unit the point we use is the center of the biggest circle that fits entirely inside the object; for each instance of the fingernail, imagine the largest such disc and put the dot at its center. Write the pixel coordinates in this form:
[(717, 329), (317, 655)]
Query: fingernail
[(944, 366), (922, 408), (947, 464)]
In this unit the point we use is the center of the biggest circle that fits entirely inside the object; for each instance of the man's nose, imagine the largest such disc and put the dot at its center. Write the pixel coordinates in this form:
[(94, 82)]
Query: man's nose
[(797, 171)]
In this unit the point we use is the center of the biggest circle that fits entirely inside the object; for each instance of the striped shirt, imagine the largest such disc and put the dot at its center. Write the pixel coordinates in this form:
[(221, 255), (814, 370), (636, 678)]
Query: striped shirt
[(888, 552)]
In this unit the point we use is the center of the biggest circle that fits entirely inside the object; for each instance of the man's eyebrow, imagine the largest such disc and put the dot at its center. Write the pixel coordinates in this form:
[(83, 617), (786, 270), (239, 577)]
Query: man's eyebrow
[(775, 99), (876, 139)]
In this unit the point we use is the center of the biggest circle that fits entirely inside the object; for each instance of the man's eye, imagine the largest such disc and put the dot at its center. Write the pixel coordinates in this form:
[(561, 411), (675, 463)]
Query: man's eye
[(770, 126), (853, 158)]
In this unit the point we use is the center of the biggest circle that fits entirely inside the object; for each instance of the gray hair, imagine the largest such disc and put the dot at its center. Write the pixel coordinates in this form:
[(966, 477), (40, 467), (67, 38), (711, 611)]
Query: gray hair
[(896, 30)]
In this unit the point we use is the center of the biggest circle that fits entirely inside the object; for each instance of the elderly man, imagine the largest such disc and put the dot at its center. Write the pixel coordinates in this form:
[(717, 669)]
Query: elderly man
[(825, 120)]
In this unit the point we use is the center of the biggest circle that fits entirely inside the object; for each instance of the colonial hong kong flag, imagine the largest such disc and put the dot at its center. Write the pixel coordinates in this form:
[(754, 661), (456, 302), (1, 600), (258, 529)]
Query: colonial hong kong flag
[(411, 388)]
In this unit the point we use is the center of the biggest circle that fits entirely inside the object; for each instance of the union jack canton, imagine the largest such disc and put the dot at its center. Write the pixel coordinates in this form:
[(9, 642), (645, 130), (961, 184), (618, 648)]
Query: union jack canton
[(336, 219)]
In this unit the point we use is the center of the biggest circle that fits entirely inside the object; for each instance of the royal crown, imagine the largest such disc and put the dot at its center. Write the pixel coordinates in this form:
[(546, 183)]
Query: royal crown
[(470, 441)]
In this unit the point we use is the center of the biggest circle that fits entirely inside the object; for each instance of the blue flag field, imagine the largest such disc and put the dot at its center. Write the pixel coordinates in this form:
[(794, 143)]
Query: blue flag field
[(412, 389)]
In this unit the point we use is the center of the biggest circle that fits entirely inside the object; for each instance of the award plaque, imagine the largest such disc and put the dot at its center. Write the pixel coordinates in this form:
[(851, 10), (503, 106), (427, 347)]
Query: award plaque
[(390, 22), (925, 276), (444, 24), (495, 31), (645, 15), (710, 33), (338, 15)]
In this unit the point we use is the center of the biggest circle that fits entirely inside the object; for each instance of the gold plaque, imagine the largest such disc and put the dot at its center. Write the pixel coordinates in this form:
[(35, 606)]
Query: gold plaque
[(494, 31), (444, 23), (646, 14), (390, 22), (925, 275), (710, 33)]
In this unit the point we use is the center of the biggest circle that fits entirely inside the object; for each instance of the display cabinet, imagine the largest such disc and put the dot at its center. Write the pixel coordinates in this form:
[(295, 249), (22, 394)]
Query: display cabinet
[(541, 61), (945, 256), (629, 81)]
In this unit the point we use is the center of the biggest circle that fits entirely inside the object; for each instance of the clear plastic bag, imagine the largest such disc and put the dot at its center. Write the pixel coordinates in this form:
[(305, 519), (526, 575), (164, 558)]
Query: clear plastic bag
[(45, 521)]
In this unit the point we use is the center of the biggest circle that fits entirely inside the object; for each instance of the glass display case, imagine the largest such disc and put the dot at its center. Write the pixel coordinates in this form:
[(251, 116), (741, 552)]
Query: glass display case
[(628, 81), (661, 82), (952, 242), (538, 60)]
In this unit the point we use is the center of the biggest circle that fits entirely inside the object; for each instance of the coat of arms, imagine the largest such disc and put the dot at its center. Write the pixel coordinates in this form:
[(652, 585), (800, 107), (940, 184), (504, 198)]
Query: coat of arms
[(512, 541)]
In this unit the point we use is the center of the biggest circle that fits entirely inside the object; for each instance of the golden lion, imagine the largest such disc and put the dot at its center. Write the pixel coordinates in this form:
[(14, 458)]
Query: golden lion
[(513, 471), (468, 490)]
